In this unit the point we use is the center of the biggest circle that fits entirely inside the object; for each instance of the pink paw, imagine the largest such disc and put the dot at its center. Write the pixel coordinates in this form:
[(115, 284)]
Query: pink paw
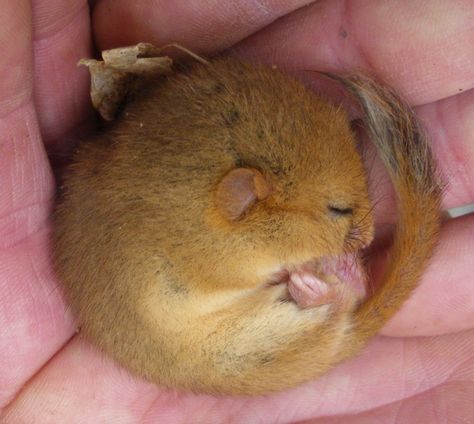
[(308, 290)]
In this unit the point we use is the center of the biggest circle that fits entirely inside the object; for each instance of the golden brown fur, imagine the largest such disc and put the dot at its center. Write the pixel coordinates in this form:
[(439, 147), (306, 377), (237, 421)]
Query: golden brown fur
[(180, 295)]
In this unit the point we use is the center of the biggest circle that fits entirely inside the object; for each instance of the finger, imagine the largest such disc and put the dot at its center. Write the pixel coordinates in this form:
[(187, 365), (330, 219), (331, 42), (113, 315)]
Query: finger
[(32, 323), (203, 26), (444, 301), (81, 385), (80, 376), (387, 371), (424, 52), (450, 123), (61, 38), (422, 408), (16, 72)]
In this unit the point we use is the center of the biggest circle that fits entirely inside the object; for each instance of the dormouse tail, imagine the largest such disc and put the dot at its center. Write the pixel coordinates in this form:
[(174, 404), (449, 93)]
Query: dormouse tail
[(403, 147)]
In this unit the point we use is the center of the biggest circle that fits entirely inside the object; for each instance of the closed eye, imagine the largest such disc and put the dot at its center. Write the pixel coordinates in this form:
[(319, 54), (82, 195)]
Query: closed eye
[(340, 211)]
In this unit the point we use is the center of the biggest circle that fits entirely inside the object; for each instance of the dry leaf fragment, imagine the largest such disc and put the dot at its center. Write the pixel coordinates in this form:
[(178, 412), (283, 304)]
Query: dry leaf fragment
[(114, 76)]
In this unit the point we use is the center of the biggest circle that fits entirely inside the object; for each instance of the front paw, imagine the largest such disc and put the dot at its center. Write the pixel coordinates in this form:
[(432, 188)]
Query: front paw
[(308, 290)]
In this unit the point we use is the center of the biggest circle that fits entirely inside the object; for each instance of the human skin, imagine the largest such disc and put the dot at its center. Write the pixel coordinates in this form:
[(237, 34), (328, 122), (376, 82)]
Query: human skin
[(420, 370)]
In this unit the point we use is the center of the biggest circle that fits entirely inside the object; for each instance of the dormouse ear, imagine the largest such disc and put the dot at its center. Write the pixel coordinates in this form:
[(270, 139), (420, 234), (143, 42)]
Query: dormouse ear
[(239, 190)]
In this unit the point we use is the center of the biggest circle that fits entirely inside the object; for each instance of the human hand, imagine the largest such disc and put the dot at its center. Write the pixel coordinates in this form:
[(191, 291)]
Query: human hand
[(49, 374)]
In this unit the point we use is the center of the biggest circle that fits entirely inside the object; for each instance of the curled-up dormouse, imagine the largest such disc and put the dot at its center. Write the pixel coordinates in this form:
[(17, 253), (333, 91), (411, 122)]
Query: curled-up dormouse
[(210, 237)]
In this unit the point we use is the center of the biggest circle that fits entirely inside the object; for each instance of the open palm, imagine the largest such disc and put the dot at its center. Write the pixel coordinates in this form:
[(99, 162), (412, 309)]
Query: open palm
[(420, 370)]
